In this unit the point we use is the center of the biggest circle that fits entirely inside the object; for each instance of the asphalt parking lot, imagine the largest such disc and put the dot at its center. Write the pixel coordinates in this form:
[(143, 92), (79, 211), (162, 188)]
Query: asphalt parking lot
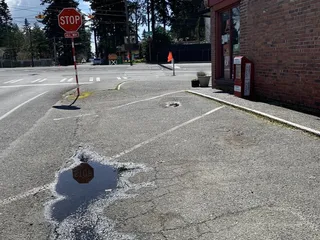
[(194, 169)]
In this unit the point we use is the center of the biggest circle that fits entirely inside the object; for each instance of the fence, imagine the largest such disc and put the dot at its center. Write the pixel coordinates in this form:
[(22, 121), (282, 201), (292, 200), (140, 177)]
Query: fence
[(186, 53), (5, 63)]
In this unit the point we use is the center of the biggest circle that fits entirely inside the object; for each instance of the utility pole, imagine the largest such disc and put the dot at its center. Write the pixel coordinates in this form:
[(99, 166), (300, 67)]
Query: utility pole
[(28, 28), (128, 30), (148, 15)]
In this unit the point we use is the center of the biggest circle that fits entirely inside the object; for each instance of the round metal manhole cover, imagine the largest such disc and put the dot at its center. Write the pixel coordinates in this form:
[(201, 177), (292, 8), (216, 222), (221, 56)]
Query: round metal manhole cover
[(173, 104)]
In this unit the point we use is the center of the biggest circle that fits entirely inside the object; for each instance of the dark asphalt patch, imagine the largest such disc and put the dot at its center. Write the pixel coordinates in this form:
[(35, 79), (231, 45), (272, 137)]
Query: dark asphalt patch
[(80, 186), (173, 104)]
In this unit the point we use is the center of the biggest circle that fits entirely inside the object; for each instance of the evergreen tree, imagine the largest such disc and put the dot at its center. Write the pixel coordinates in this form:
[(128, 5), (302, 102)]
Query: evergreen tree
[(5, 23)]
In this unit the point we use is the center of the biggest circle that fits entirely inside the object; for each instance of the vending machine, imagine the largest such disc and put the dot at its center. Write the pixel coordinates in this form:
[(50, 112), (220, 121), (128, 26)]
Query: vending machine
[(243, 70)]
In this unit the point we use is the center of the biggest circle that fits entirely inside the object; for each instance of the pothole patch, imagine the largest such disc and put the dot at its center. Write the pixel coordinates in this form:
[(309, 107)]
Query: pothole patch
[(173, 104), (81, 192)]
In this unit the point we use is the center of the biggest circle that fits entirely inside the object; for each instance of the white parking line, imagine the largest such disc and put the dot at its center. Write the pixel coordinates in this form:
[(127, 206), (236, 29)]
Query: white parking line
[(164, 133), (98, 79), (70, 79), (62, 80), (20, 105), (91, 79), (144, 100), (50, 185)]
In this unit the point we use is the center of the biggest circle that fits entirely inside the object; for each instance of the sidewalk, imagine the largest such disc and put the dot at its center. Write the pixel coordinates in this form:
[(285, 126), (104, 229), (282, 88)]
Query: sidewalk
[(302, 121)]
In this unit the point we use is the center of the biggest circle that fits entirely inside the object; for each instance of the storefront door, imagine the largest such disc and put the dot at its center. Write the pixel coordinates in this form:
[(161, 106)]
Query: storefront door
[(230, 33)]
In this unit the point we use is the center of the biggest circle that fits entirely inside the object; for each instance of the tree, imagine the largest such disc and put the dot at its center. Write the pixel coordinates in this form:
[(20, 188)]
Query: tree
[(5, 23), (41, 46), (185, 19), (109, 23), (137, 12)]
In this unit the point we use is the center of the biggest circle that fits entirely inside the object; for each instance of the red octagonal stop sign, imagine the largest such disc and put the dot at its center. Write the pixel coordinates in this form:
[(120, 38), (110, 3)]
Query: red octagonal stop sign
[(70, 20)]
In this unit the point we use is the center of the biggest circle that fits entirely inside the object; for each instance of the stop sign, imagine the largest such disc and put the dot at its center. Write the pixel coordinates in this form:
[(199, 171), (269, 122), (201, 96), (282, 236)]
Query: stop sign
[(70, 20), (83, 173)]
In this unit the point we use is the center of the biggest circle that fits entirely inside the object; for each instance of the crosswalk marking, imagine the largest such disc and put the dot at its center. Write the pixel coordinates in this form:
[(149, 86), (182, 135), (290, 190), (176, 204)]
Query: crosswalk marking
[(13, 81), (62, 80), (36, 80), (98, 79), (119, 78), (70, 79), (39, 80), (125, 77), (91, 79)]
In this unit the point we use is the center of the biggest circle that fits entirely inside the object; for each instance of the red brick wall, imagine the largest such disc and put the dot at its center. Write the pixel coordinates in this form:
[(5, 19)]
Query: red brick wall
[(282, 38)]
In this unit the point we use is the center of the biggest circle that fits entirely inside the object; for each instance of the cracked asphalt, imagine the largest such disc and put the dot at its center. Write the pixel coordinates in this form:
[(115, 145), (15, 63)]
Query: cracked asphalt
[(210, 171)]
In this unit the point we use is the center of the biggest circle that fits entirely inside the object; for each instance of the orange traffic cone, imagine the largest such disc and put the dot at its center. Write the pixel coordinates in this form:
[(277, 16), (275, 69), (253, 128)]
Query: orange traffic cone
[(170, 57)]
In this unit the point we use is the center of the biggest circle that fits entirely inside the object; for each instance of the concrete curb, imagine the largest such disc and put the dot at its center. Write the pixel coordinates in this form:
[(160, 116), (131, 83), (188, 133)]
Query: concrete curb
[(119, 86), (262, 114)]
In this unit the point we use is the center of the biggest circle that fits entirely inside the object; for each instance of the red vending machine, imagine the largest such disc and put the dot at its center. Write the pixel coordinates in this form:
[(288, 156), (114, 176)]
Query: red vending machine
[(243, 70)]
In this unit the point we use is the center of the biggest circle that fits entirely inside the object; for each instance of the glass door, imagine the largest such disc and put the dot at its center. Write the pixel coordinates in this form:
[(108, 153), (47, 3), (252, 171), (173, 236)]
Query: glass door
[(230, 44)]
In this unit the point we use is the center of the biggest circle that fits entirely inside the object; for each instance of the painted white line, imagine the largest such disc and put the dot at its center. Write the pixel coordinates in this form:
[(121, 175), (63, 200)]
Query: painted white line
[(15, 81), (25, 194), (8, 82), (36, 80), (70, 79), (91, 79), (43, 80), (301, 127), (62, 80), (49, 186), (44, 84), (98, 79), (125, 77), (19, 106), (81, 115), (164, 133), (144, 100), (119, 78)]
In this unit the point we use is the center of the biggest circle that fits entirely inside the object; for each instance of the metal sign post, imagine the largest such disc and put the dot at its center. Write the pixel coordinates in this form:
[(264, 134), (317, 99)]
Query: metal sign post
[(75, 65), (70, 20), (174, 73)]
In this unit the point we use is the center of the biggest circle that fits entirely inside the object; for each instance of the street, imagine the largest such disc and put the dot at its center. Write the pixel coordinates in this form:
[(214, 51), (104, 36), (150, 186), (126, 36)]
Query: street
[(161, 163)]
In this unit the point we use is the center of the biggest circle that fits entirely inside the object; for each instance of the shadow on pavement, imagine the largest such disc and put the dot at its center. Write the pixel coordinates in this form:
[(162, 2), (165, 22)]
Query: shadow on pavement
[(66, 107)]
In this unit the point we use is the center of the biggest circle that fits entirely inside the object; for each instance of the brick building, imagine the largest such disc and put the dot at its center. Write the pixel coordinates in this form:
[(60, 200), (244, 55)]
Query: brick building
[(281, 37)]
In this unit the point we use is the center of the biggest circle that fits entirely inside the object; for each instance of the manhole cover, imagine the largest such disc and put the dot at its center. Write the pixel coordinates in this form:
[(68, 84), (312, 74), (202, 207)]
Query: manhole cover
[(173, 104)]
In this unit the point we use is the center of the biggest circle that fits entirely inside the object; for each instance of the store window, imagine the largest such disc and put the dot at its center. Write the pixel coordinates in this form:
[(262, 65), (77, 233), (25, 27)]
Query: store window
[(229, 37)]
